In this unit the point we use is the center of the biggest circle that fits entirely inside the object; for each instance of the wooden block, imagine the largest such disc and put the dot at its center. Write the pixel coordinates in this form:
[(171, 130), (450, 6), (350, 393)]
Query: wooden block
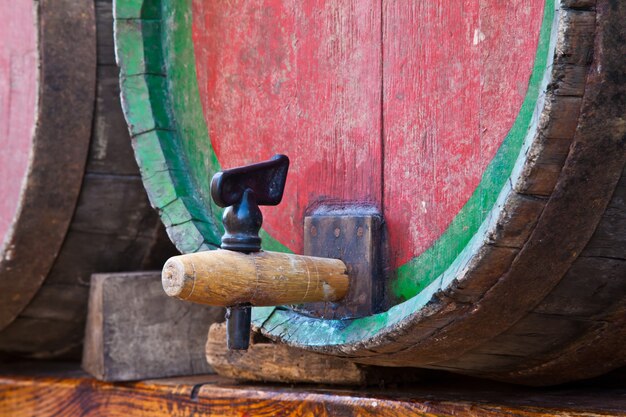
[(270, 362), (135, 331)]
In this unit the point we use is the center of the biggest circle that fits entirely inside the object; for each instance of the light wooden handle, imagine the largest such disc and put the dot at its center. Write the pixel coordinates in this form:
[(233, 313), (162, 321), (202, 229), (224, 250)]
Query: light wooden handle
[(227, 278)]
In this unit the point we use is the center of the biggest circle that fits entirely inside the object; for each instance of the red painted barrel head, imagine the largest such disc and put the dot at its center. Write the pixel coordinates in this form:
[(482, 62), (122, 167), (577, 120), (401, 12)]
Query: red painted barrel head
[(18, 94), (402, 105)]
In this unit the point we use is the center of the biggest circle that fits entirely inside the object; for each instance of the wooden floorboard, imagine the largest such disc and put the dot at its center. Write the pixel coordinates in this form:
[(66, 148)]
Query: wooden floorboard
[(60, 390)]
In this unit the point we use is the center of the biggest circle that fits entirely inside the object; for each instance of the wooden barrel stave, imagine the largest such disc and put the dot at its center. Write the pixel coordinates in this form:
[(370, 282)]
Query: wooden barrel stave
[(535, 249), (111, 226), (582, 318)]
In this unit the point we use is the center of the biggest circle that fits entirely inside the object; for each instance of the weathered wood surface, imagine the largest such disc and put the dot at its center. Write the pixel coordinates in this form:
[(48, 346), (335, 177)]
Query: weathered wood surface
[(226, 278), (86, 215), (491, 320), (473, 301), (71, 394), (134, 331), (265, 361), (575, 327), (18, 101), (309, 79), (269, 362)]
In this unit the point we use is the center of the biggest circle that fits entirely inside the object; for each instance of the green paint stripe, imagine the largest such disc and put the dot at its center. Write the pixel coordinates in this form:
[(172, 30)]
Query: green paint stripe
[(133, 60), (136, 9), (150, 113), (143, 112)]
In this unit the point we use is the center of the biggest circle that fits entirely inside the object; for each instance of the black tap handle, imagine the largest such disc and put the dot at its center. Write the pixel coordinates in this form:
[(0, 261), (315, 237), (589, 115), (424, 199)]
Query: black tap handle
[(266, 180), (242, 190)]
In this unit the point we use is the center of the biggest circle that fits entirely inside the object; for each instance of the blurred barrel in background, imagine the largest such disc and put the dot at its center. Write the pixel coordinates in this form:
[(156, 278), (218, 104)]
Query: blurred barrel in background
[(71, 200)]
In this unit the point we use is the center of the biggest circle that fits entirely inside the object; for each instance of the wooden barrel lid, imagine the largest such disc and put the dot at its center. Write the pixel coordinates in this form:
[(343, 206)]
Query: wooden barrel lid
[(455, 120)]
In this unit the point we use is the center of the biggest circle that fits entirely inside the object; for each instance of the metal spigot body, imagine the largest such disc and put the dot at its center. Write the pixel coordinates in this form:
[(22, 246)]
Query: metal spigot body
[(241, 191)]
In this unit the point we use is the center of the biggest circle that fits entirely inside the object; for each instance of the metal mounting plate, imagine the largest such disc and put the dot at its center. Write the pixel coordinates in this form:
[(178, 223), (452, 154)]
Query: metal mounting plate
[(356, 240)]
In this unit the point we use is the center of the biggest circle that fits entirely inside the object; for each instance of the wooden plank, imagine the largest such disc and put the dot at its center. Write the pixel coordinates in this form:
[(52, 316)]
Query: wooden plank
[(135, 331), (455, 77), (113, 227), (42, 337), (270, 362), (104, 32), (58, 392), (593, 283), (119, 204), (588, 298), (59, 302), (609, 239), (83, 255), (109, 151), (558, 237)]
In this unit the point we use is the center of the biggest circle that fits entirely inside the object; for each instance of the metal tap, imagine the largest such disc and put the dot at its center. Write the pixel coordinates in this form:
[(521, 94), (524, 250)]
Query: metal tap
[(241, 191)]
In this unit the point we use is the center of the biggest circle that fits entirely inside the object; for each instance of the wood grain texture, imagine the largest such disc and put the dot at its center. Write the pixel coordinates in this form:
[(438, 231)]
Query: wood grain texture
[(455, 79), (265, 361), (226, 278), (134, 331), (470, 336), (70, 394), (19, 79), (397, 106), (595, 280), (529, 352)]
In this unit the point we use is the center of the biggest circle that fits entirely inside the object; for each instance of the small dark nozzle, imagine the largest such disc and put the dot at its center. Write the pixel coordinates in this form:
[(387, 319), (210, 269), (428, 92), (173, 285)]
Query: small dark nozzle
[(238, 320)]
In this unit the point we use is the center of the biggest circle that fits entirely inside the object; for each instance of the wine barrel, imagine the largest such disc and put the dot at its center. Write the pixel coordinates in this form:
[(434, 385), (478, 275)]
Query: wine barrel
[(72, 199), (490, 135)]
